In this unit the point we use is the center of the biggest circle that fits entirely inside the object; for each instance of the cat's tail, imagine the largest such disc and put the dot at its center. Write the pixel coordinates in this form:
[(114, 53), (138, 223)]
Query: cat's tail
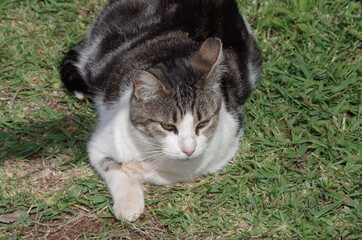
[(72, 77)]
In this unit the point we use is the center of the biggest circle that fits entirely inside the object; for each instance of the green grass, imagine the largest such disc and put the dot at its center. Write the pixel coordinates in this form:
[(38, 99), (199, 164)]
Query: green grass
[(298, 174)]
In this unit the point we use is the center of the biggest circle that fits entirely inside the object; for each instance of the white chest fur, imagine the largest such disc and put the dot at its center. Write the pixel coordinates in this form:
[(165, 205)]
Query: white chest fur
[(113, 136)]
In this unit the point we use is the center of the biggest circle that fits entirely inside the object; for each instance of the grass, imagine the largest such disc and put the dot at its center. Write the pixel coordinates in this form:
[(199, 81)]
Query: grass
[(298, 173)]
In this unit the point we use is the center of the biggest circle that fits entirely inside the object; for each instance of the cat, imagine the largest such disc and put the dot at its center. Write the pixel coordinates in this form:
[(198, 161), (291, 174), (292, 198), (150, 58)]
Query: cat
[(168, 79)]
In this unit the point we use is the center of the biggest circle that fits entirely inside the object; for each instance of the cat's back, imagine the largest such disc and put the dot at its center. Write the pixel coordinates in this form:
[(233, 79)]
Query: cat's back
[(141, 33), (124, 20), (129, 35)]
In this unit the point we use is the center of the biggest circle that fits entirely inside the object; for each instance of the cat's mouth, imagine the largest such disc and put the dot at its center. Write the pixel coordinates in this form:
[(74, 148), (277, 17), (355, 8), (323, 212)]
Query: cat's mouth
[(171, 157), (185, 157)]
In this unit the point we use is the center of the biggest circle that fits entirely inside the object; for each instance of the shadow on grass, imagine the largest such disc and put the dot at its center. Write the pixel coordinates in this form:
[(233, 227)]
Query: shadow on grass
[(67, 135)]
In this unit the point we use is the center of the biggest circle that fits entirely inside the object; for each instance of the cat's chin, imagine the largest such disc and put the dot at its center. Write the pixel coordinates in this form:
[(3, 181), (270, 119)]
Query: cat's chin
[(185, 158)]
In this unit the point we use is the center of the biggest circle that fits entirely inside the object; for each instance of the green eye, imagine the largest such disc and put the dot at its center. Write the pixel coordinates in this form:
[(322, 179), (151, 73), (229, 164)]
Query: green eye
[(202, 124), (169, 127)]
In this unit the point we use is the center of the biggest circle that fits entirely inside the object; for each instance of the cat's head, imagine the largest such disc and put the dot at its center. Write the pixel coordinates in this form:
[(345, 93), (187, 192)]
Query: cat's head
[(175, 105)]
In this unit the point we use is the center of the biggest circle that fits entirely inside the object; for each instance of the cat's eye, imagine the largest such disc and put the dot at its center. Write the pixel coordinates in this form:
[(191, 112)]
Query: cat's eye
[(169, 127), (202, 124)]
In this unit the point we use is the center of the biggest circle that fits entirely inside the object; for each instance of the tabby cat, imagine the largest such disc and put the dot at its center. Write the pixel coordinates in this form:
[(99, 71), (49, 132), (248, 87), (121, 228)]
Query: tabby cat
[(169, 79)]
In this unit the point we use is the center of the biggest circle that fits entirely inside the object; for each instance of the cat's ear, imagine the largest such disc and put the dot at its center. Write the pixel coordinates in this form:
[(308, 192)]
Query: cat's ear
[(209, 55), (146, 85)]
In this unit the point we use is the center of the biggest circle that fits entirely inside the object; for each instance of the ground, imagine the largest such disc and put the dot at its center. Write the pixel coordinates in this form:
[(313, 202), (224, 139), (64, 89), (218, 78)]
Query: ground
[(297, 174)]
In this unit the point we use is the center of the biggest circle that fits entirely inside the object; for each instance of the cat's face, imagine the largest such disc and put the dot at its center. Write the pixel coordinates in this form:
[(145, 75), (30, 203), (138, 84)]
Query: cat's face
[(177, 109), (176, 126)]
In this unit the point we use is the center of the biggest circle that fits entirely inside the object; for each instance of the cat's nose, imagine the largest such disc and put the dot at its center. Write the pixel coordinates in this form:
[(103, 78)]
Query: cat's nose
[(188, 145), (189, 152)]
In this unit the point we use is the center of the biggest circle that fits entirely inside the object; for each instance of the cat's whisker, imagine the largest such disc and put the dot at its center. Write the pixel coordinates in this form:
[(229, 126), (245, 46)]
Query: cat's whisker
[(150, 153), (146, 143), (154, 154), (157, 159)]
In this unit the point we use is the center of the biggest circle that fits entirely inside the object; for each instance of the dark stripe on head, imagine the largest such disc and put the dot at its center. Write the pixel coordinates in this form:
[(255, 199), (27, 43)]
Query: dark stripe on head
[(198, 114), (174, 116)]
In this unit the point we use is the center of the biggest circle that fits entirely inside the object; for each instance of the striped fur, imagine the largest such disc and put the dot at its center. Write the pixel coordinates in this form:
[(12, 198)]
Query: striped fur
[(169, 79), (139, 34)]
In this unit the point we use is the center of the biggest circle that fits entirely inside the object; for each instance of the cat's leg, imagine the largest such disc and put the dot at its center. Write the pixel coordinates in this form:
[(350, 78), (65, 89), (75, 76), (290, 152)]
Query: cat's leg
[(145, 172), (127, 193), (73, 76)]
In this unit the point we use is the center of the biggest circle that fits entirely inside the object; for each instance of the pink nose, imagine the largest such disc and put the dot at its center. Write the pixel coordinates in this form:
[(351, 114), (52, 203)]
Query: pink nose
[(188, 152)]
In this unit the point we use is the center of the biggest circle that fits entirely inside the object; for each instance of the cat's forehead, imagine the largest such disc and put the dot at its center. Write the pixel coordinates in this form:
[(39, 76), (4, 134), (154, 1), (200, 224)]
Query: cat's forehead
[(179, 74), (175, 108), (182, 91)]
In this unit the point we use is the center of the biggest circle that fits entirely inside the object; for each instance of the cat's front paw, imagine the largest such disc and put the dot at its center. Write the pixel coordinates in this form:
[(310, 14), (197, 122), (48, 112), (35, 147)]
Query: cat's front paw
[(131, 206), (128, 211)]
